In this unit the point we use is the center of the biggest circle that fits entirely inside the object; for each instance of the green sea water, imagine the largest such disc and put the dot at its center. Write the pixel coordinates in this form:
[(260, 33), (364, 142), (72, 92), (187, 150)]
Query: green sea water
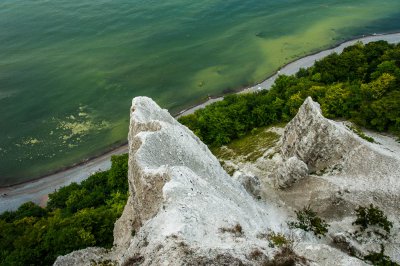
[(69, 68)]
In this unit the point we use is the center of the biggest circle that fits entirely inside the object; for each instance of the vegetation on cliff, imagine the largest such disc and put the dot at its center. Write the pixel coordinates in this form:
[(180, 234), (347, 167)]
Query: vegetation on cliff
[(361, 84), (76, 216)]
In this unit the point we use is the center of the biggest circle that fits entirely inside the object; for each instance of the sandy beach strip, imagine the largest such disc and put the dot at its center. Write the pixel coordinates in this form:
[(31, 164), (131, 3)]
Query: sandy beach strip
[(294, 67), (37, 190)]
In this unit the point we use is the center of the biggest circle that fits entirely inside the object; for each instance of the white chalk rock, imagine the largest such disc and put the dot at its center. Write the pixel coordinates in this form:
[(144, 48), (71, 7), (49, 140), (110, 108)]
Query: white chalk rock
[(289, 172), (183, 207)]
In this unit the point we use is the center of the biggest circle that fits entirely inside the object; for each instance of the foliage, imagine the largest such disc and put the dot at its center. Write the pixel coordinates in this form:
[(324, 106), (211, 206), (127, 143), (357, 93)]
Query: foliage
[(361, 134), (279, 240), (76, 216), (379, 258), (248, 148), (286, 256), (372, 216), (308, 220), (361, 84)]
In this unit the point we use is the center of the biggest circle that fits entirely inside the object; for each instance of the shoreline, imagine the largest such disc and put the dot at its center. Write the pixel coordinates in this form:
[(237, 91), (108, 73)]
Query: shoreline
[(291, 67), (107, 152), (36, 190), (12, 197)]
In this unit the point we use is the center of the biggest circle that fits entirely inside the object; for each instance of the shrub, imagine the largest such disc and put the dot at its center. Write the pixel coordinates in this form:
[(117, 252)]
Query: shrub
[(379, 258), (279, 240), (372, 216), (286, 257), (308, 220), (361, 134), (237, 230)]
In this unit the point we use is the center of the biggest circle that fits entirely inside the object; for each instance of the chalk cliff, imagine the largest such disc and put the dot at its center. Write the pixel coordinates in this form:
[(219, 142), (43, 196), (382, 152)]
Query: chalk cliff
[(184, 209)]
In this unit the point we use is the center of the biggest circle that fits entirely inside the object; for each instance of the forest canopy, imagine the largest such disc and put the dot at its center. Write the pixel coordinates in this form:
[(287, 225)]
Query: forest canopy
[(362, 84), (77, 216)]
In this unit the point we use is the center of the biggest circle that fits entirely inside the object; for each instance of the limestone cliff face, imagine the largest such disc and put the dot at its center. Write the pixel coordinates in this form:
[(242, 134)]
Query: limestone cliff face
[(319, 142), (184, 209), (182, 199), (326, 165), (310, 141)]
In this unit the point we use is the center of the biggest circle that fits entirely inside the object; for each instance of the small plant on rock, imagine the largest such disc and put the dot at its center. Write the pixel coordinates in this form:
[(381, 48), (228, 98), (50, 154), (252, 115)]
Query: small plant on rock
[(379, 258), (278, 240), (237, 230), (285, 254), (308, 220), (361, 134), (372, 216), (286, 257)]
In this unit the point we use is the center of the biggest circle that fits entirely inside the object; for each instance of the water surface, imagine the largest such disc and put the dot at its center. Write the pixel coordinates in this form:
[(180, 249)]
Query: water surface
[(69, 68)]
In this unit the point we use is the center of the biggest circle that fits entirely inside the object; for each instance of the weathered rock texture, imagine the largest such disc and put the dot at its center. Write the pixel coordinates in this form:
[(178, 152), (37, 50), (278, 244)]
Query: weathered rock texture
[(181, 197), (326, 165), (317, 141), (289, 172), (326, 146), (184, 209)]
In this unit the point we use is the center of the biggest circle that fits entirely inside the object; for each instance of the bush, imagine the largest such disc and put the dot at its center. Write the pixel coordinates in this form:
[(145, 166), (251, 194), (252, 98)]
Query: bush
[(379, 258), (308, 220), (279, 240), (372, 216)]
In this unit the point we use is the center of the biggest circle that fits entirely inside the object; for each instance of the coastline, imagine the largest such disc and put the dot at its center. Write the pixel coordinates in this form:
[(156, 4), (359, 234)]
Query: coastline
[(303, 62), (37, 190), (108, 152)]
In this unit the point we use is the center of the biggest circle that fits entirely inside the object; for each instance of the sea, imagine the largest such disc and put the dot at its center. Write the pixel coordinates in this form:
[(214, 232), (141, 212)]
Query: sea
[(70, 68)]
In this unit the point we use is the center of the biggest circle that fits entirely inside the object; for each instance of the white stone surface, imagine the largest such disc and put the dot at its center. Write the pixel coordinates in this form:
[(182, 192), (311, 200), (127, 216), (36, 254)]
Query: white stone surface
[(183, 207)]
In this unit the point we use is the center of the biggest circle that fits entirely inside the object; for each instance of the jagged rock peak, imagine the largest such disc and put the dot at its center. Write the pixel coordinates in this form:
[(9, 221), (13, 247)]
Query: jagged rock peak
[(183, 207), (315, 140), (327, 146)]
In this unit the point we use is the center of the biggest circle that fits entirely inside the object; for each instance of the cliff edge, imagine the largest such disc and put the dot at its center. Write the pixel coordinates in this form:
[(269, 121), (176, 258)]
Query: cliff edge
[(184, 209)]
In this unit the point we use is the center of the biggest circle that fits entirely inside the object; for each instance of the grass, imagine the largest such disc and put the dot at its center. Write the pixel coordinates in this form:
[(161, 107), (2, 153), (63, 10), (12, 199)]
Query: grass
[(250, 147), (361, 134)]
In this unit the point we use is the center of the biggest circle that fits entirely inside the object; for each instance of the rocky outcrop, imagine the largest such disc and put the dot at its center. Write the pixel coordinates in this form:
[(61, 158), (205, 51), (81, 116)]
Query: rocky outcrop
[(183, 207), (319, 142), (250, 182), (327, 147), (324, 164), (182, 199), (289, 172)]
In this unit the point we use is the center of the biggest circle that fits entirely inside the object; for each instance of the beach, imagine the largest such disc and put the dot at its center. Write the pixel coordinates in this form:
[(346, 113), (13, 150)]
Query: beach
[(37, 190), (304, 62)]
